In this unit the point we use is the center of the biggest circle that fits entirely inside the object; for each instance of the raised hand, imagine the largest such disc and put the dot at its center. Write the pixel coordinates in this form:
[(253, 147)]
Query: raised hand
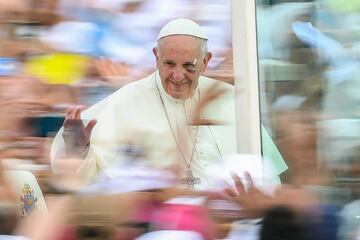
[(211, 94), (253, 201), (76, 135)]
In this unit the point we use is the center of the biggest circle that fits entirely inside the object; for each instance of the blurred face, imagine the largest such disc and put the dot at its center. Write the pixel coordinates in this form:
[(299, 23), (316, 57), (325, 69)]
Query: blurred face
[(180, 62)]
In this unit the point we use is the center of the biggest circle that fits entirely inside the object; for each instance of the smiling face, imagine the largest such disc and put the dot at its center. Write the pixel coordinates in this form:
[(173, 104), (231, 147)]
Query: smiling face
[(180, 60)]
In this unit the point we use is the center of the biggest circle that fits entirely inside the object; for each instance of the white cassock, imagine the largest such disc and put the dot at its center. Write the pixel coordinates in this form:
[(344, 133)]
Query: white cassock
[(143, 114)]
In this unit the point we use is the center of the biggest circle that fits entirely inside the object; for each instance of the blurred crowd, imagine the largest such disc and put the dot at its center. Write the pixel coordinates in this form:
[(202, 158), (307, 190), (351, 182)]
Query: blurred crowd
[(55, 54), (308, 68)]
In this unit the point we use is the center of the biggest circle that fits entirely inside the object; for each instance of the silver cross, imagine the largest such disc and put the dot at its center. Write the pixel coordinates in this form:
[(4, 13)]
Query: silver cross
[(190, 180)]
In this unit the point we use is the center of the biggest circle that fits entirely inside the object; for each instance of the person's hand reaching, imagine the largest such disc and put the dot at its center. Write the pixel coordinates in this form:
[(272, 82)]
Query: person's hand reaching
[(255, 203), (252, 200)]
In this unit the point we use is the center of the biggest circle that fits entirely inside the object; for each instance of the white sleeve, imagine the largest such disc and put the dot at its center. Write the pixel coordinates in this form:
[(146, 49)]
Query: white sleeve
[(58, 146)]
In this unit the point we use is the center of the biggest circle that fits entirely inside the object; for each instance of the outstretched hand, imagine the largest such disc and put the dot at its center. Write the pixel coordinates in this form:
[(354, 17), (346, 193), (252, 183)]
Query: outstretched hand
[(252, 200), (255, 203), (76, 135)]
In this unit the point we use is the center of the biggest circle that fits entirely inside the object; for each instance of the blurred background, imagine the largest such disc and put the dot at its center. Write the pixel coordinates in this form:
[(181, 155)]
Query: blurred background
[(308, 56), (309, 75)]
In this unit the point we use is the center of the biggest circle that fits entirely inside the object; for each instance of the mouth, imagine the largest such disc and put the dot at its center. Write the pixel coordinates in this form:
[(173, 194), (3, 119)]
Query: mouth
[(179, 84)]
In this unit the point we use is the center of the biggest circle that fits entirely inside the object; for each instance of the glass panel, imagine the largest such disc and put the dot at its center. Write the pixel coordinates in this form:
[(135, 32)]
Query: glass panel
[(309, 82)]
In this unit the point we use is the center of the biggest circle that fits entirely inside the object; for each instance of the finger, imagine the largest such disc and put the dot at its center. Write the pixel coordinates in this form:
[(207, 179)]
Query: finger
[(68, 117), (66, 123), (230, 192), (90, 126), (238, 183), (249, 179), (77, 112), (74, 113), (231, 195), (70, 112)]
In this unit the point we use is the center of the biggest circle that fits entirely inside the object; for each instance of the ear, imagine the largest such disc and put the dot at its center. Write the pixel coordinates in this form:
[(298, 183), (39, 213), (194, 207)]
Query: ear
[(207, 59), (155, 52)]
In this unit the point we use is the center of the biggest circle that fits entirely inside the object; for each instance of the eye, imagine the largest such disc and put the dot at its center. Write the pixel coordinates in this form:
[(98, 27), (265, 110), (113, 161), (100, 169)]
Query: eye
[(190, 68), (169, 64)]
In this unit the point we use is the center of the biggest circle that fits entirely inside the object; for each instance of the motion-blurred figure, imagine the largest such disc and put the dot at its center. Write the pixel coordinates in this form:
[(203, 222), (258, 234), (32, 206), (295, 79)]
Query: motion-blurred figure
[(157, 114)]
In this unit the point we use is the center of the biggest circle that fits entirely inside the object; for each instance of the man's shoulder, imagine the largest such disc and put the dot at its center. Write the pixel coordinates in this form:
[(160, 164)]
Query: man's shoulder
[(137, 87)]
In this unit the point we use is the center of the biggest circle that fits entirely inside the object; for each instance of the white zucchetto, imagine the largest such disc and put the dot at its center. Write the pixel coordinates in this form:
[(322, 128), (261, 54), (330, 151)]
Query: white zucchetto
[(182, 26)]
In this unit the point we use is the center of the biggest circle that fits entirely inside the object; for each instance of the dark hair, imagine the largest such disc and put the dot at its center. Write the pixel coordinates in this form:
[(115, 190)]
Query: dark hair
[(8, 219), (281, 223)]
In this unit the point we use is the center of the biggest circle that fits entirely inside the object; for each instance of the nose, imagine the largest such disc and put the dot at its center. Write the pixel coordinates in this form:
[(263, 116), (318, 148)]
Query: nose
[(178, 75)]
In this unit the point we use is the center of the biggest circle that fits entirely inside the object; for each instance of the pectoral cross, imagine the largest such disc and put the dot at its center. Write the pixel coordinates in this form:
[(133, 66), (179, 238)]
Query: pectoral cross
[(190, 180)]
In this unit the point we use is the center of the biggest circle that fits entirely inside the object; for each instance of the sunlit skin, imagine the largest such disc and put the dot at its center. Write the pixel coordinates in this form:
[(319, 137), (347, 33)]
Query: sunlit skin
[(180, 62)]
